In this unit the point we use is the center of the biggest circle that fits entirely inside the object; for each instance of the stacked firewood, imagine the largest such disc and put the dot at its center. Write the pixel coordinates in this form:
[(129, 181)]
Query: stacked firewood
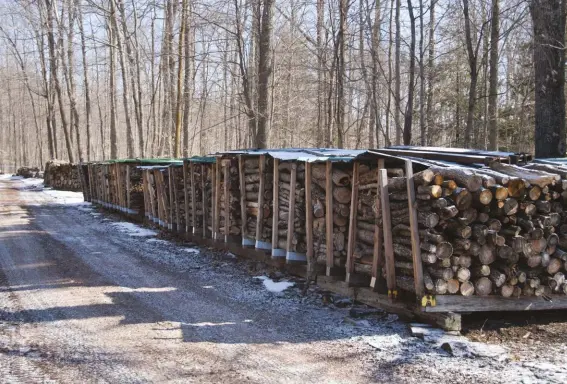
[(233, 199), (27, 172), (252, 190), (341, 175), (136, 190), (298, 240), (178, 203), (62, 175), (493, 230), (197, 199)]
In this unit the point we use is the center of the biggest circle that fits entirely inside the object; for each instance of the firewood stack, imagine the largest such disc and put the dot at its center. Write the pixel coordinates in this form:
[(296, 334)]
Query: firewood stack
[(136, 190), (233, 198), (178, 203), (341, 193), (495, 230), (298, 240), (198, 198), (62, 175), (252, 188)]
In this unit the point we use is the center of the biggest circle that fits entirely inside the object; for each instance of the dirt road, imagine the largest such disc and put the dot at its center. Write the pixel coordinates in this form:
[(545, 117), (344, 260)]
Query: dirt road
[(84, 300)]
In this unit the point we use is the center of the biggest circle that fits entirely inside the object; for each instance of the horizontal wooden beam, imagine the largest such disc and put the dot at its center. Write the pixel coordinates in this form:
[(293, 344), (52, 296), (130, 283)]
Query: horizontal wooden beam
[(454, 303)]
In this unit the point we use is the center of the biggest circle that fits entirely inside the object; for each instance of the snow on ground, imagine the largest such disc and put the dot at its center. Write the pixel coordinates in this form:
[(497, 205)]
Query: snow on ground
[(157, 241), (133, 229), (273, 286), (192, 250)]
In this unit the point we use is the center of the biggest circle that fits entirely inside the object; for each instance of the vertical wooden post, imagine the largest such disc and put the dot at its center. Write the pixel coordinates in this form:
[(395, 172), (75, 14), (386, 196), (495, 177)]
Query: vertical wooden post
[(90, 178), (276, 208), (244, 219), (329, 217), (204, 198), (387, 225), (128, 189), (193, 198), (352, 223), (177, 198), (291, 214), (216, 199), (172, 198), (377, 256), (260, 218), (415, 245), (226, 201), (145, 193), (309, 220), (186, 194)]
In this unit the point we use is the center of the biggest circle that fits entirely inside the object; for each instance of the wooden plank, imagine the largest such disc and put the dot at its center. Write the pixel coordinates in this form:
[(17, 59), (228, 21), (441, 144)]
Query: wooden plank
[(415, 246), (128, 188), (493, 303), (226, 202), (172, 198), (309, 219), (387, 225), (91, 187), (352, 223), (276, 207), (186, 194), (260, 218), (291, 215), (173, 178), (377, 255), (193, 198), (204, 198), (242, 179), (145, 193), (329, 217)]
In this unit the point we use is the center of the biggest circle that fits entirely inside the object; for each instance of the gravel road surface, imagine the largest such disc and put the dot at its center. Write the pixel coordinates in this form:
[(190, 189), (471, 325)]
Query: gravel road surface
[(84, 299)]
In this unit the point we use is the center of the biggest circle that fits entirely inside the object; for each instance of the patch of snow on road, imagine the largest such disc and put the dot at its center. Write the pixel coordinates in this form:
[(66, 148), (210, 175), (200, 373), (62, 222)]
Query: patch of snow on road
[(157, 241), (273, 286), (65, 197), (194, 251), (133, 229)]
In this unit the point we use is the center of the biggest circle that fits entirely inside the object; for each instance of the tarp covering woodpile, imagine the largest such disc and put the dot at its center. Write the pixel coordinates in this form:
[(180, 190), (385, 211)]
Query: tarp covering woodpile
[(62, 175)]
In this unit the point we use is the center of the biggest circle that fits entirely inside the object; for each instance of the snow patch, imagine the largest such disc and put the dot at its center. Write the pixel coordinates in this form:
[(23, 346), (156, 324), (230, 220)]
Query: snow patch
[(133, 229), (273, 286), (65, 197), (193, 251), (157, 241)]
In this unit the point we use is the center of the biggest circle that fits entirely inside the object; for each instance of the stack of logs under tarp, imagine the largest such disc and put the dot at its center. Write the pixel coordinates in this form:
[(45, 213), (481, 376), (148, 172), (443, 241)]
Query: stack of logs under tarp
[(62, 175), (229, 178), (500, 230), (341, 176), (251, 167)]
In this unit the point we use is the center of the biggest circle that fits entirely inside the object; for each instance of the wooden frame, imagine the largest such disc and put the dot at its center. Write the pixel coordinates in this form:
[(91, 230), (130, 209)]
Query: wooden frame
[(243, 214), (387, 226), (262, 186), (415, 244), (378, 256), (331, 270), (352, 224), (276, 209)]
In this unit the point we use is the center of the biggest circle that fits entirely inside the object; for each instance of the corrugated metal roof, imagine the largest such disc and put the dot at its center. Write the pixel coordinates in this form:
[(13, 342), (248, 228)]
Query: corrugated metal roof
[(309, 155)]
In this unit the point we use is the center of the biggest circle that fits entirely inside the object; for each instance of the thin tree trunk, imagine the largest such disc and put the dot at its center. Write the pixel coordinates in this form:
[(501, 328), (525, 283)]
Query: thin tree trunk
[(409, 106), (493, 81), (85, 79)]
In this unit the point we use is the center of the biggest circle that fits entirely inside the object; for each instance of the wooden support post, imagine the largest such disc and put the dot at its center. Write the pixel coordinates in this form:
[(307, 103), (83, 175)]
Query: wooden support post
[(387, 225), (177, 198), (226, 202), (204, 198), (128, 189), (242, 179), (291, 214), (193, 198), (276, 208), (146, 194), (172, 198), (260, 218), (216, 199), (309, 220), (186, 194), (352, 223), (377, 256), (329, 217), (90, 177), (415, 245)]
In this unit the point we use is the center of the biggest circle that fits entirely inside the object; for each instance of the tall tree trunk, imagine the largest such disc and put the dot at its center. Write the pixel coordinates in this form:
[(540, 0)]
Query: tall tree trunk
[(430, 73), (397, 97), (178, 111), (341, 72), (189, 76), (422, 126), (409, 106), (54, 76), (112, 91), (472, 56), (320, 69), (549, 62), (264, 71), (85, 79), (493, 82)]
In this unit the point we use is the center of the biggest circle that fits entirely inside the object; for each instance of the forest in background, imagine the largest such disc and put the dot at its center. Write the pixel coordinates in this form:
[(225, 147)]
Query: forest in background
[(98, 79)]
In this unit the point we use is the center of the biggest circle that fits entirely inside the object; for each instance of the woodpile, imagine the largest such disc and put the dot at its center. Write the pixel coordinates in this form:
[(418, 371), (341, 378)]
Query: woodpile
[(177, 197), (500, 230), (338, 193), (230, 187), (28, 172), (291, 212), (61, 175), (256, 195), (136, 191)]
